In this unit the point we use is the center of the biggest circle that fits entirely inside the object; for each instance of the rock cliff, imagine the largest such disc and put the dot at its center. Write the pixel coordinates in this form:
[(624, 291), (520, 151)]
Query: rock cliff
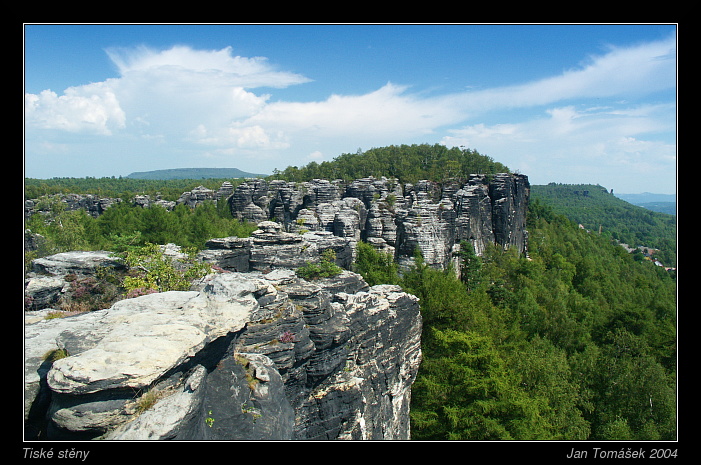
[(429, 216), (242, 355), (395, 218)]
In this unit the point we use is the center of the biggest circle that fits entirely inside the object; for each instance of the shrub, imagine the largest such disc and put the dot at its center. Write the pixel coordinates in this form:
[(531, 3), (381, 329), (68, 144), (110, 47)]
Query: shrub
[(325, 268), (152, 271), (55, 354)]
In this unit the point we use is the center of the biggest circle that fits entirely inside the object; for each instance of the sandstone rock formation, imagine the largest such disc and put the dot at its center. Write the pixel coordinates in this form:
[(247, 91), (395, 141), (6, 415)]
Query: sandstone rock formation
[(93, 205), (396, 218), (270, 248), (429, 216), (240, 356)]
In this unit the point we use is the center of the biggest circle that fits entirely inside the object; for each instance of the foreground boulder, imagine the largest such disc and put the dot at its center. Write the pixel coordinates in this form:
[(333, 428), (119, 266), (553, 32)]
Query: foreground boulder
[(76, 262), (240, 356)]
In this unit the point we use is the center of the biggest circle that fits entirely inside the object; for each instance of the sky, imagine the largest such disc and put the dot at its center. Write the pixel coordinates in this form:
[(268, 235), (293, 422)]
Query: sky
[(565, 103)]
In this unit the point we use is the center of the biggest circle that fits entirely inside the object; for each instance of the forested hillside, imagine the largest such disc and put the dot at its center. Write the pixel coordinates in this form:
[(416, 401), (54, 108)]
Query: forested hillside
[(576, 342), (120, 187), (594, 207), (408, 163)]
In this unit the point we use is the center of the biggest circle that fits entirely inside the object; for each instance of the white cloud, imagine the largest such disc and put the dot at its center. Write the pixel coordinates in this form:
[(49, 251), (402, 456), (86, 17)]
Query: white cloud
[(641, 69), (180, 89), (91, 108), (209, 100), (580, 144), (216, 66), (173, 91), (388, 111)]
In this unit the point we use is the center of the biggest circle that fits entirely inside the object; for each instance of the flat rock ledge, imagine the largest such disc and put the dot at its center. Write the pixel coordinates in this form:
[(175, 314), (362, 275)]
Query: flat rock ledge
[(241, 356)]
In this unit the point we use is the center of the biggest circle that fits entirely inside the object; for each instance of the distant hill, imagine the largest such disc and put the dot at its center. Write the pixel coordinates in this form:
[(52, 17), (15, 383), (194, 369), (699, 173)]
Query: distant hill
[(669, 208), (194, 173), (647, 197), (593, 206), (663, 203)]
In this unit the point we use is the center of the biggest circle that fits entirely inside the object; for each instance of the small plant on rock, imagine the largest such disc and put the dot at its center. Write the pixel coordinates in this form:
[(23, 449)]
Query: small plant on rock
[(55, 354), (325, 268), (150, 270)]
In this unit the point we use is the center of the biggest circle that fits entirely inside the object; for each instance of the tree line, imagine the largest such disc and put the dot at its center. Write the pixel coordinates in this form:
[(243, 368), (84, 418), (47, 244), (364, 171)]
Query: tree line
[(408, 163), (64, 230), (118, 187)]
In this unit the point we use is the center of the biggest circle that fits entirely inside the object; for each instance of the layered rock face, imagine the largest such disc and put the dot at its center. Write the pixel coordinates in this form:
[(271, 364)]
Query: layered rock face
[(270, 248), (393, 217), (93, 205), (429, 216), (240, 356)]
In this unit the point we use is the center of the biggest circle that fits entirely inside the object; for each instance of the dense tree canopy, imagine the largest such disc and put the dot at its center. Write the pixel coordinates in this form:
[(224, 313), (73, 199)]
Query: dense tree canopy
[(576, 341), (408, 163), (187, 227), (594, 207)]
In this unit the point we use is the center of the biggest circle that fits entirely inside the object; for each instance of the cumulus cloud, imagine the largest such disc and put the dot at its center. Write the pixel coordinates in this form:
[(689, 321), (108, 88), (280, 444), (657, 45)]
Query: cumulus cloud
[(157, 91), (93, 108), (587, 140), (212, 100), (213, 88)]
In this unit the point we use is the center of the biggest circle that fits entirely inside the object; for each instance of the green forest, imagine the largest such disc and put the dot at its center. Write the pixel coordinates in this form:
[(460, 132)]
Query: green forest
[(594, 207), (576, 341), (408, 163), (64, 230), (119, 187)]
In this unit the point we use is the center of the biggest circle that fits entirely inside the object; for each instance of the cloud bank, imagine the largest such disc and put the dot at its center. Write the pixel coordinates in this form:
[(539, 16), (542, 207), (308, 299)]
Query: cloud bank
[(219, 105)]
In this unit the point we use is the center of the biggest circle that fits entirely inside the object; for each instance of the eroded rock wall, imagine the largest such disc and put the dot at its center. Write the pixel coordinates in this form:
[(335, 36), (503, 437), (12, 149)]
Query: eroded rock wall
[(240, 356), (397, 218)]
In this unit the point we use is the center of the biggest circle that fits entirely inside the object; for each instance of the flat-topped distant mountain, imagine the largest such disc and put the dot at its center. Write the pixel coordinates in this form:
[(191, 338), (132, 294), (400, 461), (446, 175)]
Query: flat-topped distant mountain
[(194, 173)]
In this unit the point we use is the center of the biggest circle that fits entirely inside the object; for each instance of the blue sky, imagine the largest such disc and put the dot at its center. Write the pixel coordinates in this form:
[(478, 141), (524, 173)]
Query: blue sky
[(560, 103)]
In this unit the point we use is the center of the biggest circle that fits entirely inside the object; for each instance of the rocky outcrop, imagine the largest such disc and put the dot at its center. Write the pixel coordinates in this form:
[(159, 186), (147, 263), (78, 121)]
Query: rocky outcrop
[(75, 262), (95, 206), (433, 217), (269, 248), (92, 204), (240, 356)]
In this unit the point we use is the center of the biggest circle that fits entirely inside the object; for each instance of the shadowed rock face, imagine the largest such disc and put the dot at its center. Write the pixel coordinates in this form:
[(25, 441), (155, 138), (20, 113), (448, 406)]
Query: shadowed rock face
[(241, 356), (429, 216)]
